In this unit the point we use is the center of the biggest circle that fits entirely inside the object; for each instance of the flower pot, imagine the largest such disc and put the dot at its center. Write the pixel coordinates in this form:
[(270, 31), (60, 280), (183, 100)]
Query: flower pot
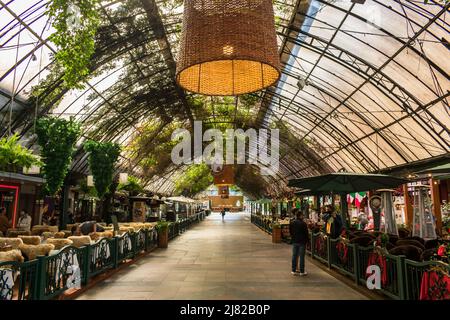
[(276, 235), (163, 238)]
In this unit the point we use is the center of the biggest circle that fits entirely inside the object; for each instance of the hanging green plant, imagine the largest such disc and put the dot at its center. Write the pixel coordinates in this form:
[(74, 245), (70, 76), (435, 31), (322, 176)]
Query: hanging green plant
[(57, 138), (76, 23), (102, 158), (14, 156), (132, 185)]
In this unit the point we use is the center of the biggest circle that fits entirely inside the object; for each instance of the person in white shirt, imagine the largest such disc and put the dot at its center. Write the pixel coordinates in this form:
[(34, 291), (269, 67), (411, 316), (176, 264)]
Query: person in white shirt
[(24, 222)]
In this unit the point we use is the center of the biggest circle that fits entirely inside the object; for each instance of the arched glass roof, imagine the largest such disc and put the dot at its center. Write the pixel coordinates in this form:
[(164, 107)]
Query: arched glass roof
[(364, 88)]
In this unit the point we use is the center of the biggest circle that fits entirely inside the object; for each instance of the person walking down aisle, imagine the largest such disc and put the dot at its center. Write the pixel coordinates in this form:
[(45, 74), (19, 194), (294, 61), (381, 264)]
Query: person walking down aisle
[(223, 214), (299, 234)]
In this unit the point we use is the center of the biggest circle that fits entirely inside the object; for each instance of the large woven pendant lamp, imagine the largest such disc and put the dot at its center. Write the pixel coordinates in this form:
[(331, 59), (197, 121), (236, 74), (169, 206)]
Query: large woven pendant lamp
[(228, 47)]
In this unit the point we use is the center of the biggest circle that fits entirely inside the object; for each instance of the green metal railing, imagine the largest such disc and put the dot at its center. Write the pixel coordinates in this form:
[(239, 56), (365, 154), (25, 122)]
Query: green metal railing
[(17, 280), (101, 256), (263, 223), (49, 276), (400, 278), (56, 273)]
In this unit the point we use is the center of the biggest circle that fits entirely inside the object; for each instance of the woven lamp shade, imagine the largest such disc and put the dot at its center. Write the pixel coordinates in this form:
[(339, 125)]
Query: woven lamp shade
[(228, 47)]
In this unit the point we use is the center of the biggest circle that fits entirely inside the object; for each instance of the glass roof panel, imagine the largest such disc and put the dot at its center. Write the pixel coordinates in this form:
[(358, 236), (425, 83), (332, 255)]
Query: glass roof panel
[(348, 113)]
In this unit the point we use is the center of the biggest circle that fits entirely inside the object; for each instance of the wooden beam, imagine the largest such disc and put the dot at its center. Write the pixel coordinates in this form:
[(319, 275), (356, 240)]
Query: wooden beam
[(408, 207), (436, 199)]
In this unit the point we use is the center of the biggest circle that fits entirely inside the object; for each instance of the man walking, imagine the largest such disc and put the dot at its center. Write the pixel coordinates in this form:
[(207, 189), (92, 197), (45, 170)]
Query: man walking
[(299, 235)]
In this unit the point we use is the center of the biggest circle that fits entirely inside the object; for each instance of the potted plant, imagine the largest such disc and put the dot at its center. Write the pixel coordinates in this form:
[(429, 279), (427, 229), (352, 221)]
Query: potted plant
[(276, 232), (163, 233)]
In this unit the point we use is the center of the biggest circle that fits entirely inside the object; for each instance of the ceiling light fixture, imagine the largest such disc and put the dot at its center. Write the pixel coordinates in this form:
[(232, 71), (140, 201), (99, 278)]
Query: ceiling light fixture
[(228, 47)]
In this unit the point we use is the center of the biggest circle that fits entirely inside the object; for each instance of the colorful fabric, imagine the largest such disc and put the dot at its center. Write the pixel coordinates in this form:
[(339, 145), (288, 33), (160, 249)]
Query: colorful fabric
[(359, 196), (342, 252), (329, 223), (350, 197), (435, 286)]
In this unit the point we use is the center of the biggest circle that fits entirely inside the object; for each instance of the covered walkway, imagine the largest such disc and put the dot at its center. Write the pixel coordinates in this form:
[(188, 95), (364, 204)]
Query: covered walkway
[(221, 260)]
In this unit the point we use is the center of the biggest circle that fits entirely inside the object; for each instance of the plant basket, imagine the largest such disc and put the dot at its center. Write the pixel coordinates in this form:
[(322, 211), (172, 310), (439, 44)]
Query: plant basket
[(276, 235), (163, 238)]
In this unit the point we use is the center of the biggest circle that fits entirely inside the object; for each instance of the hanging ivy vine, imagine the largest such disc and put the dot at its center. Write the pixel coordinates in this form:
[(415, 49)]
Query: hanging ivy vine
[(76, 23), (102, 158), (57, 138), (197, 178)]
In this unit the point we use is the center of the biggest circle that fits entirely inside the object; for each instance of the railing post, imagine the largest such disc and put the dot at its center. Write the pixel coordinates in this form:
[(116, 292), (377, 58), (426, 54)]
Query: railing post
[(87, 260), (115, 252), (401, 273), (41, 278), (146, 236), (134, 243), (356, 263), (329, 252)]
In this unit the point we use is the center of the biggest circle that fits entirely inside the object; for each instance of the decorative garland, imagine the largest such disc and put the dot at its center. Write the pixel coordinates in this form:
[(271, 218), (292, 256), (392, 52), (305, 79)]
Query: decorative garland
[(76, 23), (57, 138), (102, 157)]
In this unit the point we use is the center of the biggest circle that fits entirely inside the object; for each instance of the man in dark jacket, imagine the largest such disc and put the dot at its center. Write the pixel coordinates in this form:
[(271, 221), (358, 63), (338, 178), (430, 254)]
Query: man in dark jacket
[(299, 235)]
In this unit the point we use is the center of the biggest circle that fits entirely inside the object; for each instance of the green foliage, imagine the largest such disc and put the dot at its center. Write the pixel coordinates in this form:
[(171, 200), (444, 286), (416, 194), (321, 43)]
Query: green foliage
[(89, 192), (234, 188), (162, 226), (57, 138), (197, 178), (14, 156), (102, 158), (152, 146), (250, 181), (221, 113), (132, 185), (74, 37)]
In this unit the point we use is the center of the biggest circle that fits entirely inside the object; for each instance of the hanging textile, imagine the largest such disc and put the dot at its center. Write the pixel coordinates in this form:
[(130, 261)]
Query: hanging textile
[(350, 197), (435, 286), (359, 196), (342, 251)]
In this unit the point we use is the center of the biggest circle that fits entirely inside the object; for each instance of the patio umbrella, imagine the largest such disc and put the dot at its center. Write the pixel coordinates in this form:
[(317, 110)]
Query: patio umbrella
[(345, 182), (445, 168)]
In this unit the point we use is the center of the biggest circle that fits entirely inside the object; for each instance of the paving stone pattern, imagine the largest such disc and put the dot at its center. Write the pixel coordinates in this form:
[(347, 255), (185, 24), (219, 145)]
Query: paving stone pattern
[(215, 259)]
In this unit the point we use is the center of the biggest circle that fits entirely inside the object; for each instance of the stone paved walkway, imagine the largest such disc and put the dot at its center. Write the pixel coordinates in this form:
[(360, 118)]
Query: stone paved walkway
[(221, 260)]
